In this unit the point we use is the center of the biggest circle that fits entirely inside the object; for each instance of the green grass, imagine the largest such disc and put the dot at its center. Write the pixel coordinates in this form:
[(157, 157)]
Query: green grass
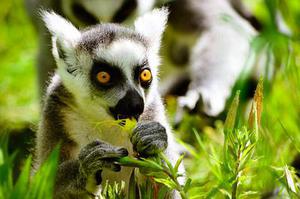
[(40, 185), (234, 158)]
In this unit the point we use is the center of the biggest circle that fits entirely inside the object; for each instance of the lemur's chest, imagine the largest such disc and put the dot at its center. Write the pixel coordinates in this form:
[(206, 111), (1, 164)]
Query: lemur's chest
[(83, 132)]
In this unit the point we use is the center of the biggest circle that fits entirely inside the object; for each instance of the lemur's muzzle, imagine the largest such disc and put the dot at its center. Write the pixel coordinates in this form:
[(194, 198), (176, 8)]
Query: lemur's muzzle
[(130, 106)]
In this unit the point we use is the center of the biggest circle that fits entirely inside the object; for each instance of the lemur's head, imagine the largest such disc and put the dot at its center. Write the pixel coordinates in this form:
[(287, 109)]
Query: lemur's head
[(110, 70)]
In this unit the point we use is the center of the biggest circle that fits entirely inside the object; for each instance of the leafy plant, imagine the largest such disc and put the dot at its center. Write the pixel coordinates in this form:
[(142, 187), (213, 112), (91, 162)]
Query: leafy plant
[(161, 176), (114, 191), (40, 185)]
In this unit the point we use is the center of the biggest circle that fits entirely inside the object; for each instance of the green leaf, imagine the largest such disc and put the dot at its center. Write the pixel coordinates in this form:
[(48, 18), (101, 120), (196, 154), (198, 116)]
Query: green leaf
[(256, 109), (289, 179), (162, 192), (143, 163), (187, 185), (217, 188), (129, 125), (42, 185), (22, 184), (247, 151), (132, 189), (170, 184), (154, 165), (1, 157), (231, 115), (170, 166), (189, 148), (178, 162)]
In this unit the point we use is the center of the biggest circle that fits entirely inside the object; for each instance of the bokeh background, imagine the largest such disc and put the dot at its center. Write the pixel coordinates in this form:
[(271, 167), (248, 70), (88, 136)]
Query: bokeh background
[(19, 101), (275, 159)]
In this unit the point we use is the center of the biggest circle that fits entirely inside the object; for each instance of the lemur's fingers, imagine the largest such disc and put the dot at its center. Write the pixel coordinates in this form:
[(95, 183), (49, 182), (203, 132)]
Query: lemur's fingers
[(98, 155), (99, 149), (151, 145), (145, 129), (103, 153), (102, 164), (100, 159), (149, 138)]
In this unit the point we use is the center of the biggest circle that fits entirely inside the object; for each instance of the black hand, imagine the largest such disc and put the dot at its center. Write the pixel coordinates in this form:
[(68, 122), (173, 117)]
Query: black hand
[(98, 155), (149, 138)]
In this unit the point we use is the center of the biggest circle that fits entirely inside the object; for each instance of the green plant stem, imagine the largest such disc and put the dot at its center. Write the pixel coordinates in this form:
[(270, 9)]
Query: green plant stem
[(178, 186), (237, 168)]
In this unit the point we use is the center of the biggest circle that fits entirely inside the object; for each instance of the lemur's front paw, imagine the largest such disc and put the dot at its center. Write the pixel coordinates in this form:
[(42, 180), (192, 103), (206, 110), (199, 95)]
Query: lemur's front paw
[(98, 155), (149, 138)]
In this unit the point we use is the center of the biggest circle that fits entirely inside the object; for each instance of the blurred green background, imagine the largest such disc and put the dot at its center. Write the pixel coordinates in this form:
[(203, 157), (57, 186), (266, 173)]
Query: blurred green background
[(278, 145), (19, 103)]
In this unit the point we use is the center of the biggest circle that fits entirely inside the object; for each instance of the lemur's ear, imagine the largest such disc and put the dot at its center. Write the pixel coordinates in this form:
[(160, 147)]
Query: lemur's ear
[(152, 26), (64, 34)]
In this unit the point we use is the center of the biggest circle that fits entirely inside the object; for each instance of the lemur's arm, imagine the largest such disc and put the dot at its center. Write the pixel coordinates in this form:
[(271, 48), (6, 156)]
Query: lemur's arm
[(68, 180)]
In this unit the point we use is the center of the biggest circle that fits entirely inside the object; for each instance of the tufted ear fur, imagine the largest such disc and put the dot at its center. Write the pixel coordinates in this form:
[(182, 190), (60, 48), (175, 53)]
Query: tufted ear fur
[(64, 34), (152, 26)]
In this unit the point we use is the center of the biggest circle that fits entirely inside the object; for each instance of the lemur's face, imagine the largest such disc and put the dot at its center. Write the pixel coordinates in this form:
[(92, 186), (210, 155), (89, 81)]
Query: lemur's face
[(117, 69), (109, 69)]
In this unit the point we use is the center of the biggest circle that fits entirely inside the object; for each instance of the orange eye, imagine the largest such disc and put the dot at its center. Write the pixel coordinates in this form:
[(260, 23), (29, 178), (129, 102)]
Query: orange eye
[(146, 75), (103, 77)]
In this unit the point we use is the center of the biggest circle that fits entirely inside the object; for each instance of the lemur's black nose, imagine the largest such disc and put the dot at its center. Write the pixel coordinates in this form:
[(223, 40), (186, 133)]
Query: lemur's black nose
[(131, 105)]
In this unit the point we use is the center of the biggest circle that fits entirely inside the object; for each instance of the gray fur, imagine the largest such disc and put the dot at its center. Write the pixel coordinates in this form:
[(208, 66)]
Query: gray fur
[(53, 124), (148, 113), (106, 33)]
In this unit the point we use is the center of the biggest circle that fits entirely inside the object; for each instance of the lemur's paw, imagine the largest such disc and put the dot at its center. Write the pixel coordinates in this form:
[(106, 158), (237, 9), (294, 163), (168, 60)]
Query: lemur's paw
[(98, 155), (149, 138)]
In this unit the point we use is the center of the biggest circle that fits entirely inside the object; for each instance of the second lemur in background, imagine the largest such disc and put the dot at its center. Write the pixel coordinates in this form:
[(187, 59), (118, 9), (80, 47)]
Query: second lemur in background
[(105, 72)]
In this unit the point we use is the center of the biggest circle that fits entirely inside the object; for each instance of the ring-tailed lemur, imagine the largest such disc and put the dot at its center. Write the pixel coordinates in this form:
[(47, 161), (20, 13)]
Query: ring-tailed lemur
[(104, 72)]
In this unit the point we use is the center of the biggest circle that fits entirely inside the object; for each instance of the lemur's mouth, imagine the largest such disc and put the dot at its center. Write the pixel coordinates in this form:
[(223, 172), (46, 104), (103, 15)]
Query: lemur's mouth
[(120, 116)]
